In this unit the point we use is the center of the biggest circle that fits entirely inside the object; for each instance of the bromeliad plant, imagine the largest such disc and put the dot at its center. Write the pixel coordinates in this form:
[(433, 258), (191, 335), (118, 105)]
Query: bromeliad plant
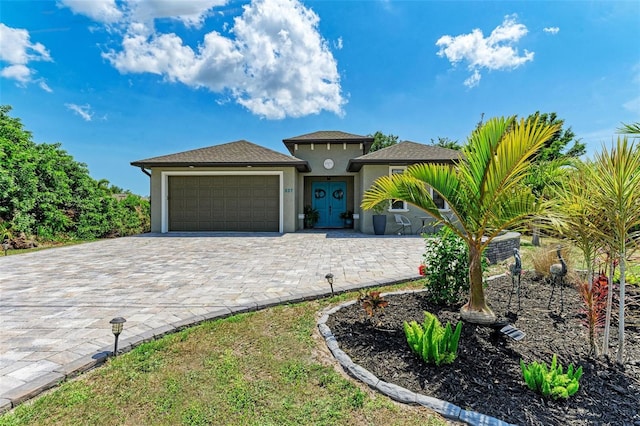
[(372, 302), (432, 342), (551, 381)]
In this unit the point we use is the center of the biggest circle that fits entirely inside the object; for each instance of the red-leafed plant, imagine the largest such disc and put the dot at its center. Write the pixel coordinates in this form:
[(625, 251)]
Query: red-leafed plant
[(594, 297), (372, 302)]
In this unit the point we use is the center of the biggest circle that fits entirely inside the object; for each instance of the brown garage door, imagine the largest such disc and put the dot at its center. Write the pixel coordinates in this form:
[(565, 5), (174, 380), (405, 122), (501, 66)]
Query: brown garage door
[(224, 203)]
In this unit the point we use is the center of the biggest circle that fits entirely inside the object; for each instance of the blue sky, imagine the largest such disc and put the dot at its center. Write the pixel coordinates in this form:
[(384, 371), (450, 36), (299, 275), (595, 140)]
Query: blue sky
[(116, 81)]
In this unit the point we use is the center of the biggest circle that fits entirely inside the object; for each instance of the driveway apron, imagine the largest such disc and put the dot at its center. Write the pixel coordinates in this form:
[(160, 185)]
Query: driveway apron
[(56, 304)]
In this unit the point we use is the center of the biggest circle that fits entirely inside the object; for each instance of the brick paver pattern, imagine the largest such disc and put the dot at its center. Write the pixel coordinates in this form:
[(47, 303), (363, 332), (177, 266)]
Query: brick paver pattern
[(55, 304)]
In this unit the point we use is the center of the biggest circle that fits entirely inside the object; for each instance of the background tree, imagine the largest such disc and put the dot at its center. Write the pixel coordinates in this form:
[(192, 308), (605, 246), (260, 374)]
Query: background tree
[(380, 140), (445, 142), (557, 152), (485, 192), (45, 192)]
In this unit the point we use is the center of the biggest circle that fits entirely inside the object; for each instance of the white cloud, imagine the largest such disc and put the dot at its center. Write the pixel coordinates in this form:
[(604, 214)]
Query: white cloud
[(276, 64), (44, 86), (190, 12), (16, 51), (338, 44), (105, 11), (495, 52), (83, 111), (552, 30), (633, 106)]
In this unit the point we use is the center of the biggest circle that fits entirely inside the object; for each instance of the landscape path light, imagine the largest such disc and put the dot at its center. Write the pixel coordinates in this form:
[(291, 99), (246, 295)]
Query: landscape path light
[(329, 278), (116, 328)]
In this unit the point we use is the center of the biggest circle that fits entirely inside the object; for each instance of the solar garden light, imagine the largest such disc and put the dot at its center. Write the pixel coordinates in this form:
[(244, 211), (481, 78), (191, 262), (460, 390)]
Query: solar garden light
[(116, 328), (329, 278)]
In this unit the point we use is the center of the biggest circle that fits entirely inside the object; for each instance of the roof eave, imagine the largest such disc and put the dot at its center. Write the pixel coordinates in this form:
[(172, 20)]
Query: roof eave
[(289, 143), (301, 166), (355, 164)]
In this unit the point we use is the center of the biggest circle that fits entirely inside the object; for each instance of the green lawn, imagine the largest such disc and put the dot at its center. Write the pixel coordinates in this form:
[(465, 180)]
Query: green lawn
[(262, 368)]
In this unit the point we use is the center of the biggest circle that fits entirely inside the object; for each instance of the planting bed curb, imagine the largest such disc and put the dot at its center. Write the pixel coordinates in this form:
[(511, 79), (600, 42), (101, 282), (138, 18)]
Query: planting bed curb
[(400, 394)]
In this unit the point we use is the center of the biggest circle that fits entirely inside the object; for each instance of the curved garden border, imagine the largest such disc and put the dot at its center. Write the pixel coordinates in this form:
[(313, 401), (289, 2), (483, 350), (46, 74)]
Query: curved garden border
[(398, 393)]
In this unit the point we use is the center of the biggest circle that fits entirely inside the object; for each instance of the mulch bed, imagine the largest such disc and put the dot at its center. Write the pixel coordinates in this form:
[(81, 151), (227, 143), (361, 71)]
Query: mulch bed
[(486, 376)]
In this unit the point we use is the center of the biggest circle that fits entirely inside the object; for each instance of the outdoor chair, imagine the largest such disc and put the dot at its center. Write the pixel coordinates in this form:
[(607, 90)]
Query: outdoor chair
[(403, 222)]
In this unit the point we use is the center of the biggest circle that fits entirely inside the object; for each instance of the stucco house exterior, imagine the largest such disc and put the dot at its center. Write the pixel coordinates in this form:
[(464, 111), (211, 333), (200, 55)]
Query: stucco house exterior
[(243, 187)]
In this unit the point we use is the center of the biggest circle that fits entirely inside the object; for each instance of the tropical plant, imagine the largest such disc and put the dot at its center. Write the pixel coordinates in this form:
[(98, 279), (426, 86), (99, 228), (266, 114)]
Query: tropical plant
[(432, 342), (311, 216), (445, 267), (372, 302), (485, 192), (616, 172), (551, 381), (594, 298), (630, 129)]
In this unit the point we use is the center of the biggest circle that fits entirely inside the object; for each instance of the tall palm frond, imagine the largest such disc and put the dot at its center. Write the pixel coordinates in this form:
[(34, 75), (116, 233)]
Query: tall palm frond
[(484, 191), (629, 129)]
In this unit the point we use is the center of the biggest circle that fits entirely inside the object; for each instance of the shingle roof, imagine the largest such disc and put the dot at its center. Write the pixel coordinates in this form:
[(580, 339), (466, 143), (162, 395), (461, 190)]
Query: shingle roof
[(324, 136), (238, 153), (405, 152), (329, 135)]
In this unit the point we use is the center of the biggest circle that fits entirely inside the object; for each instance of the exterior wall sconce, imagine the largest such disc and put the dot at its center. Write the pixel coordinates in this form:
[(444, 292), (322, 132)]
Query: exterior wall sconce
[(117, 324), (329, 278)]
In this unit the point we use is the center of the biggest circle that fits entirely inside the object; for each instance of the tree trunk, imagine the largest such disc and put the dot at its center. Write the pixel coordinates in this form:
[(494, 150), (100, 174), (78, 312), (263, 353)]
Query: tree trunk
[(620, 355), (476, 310), (607, 318), (535, 235)]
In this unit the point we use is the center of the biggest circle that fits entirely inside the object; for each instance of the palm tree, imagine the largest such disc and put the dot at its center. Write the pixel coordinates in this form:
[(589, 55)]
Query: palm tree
[(580, 220), (630, 129), (485, 192), (616, 173)]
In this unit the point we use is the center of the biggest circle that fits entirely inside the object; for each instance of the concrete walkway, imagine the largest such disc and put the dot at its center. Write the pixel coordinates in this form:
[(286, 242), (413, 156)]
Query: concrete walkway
[(55, 305)]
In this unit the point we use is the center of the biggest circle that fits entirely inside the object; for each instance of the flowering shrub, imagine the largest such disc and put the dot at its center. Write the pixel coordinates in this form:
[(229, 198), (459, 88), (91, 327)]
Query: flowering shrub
[(445, 267)]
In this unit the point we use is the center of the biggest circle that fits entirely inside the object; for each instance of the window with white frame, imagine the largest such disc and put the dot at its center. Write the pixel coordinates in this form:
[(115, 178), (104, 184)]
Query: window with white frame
[(439, 201), (397, 205)]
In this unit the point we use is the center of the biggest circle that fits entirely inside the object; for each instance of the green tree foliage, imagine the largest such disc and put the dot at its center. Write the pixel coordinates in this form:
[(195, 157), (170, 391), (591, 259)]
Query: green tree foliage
[(445, 142), (45, 192), (380, 140), (548, 163), (557, 146)]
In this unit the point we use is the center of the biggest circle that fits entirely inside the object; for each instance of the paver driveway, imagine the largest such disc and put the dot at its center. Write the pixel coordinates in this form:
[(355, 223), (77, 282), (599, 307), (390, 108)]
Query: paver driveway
[(55, 305)]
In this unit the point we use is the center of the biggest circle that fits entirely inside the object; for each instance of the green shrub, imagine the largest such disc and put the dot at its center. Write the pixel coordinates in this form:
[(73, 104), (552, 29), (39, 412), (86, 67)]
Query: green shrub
[(551, 382), (432, 342), (446, 267)]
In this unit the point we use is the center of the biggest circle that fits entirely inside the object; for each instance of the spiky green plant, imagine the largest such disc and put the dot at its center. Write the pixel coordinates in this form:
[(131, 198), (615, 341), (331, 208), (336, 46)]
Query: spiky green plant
[(432, 342), (551, 381)]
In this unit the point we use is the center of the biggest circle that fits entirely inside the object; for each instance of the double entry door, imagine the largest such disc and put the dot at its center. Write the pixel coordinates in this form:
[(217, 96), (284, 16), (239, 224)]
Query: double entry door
[(330, 199)]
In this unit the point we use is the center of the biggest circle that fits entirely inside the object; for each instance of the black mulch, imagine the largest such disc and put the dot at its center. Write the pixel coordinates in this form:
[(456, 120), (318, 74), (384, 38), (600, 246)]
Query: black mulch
[(486, 376)]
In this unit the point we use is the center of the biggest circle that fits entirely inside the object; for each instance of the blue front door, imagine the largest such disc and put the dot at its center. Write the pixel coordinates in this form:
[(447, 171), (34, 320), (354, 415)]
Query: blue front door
[(330, 198)]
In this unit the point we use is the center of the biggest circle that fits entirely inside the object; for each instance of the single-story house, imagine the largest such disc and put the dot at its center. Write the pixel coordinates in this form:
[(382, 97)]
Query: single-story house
[(244, 187)]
